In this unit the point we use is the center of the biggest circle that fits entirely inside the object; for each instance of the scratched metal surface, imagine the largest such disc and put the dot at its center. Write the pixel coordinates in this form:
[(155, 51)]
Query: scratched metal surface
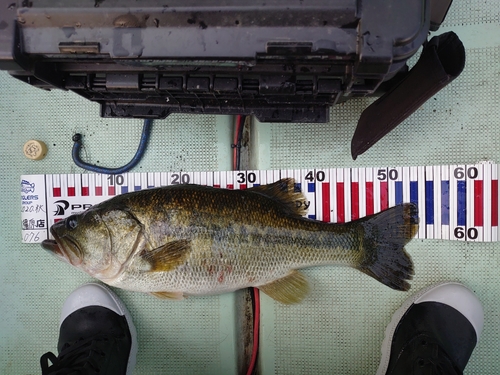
[(338, 328)]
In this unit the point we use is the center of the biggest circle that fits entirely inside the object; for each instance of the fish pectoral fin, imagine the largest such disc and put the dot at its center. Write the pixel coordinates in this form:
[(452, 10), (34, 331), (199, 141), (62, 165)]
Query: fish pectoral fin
[(168, 295), (167, 257), (285, 192), (289, 289)]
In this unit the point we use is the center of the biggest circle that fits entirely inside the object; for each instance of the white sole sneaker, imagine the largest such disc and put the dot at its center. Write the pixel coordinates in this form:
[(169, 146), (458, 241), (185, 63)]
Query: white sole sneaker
[(449, 296), (94, 294)]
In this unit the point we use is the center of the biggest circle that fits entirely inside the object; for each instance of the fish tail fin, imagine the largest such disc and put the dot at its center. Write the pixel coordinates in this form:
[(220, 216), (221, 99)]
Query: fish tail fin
[(385, 235)]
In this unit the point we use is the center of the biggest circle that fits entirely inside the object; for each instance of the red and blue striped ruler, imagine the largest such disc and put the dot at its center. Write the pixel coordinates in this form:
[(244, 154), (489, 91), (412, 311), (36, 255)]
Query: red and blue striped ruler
[(456, 202)]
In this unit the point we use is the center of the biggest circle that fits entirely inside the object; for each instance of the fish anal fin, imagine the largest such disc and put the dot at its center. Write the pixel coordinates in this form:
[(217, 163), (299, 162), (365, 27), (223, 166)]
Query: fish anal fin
[(285, 191), (168, 295), (289, 289), (168, 256)]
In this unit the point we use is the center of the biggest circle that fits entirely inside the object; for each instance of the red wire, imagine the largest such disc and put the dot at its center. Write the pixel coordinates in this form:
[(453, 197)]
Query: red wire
[(256, 312), (235, 143), (256, 324)]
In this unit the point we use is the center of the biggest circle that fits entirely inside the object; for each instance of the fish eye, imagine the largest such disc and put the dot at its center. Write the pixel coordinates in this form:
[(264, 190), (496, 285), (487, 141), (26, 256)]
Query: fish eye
[(71, 222)]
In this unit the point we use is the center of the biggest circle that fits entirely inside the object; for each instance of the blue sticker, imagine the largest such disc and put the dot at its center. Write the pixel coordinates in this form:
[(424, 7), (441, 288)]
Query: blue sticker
[(461, 203), (429, 202), (399, 192), (414, 192)]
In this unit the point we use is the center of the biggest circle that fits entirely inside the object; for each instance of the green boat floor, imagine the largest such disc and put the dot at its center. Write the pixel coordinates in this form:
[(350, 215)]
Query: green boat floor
[(339, 327)]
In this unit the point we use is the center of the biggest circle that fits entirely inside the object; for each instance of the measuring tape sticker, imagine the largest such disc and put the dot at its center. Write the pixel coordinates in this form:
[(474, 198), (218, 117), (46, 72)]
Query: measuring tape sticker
[(456, 202)]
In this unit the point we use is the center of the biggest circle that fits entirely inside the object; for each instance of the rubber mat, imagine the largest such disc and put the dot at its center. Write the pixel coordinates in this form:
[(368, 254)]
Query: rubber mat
[(339, 327)]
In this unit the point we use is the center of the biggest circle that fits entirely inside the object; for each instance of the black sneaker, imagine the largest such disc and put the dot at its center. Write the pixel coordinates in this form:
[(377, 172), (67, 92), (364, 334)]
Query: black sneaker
[(96, 335), (434, 332)]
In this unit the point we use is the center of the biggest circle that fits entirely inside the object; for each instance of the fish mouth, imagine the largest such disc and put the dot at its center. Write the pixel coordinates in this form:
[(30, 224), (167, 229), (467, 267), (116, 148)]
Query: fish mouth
[(52, 246), (64, 249)]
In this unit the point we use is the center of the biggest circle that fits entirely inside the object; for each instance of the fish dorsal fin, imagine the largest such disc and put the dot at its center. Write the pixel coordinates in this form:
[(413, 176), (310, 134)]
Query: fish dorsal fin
[(168, 295), (289, 289), (287, 193), (167, 257)]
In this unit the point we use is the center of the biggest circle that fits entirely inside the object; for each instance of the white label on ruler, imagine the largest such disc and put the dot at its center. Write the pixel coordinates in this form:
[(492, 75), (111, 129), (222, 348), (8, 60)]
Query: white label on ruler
[(457, 202), (362, 191), (33, 209), (357, 199), (487, 198), (437, 196), (347, 195)]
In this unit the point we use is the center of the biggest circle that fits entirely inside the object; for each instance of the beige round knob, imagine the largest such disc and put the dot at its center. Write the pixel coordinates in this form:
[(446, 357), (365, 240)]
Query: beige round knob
[(35, 150)]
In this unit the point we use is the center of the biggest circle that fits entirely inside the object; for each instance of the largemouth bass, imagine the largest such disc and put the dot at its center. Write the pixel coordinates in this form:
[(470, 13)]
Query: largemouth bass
[(185, 240)]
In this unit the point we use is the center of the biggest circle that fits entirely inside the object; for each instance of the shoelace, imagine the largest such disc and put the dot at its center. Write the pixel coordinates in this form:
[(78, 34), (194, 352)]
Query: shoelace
[(436, 361), (440, 367), (423, 355), (81, 357)]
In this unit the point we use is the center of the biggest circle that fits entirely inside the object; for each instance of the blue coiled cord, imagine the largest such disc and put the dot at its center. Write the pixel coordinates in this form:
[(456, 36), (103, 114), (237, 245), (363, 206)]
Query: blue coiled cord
[(77, 139)]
